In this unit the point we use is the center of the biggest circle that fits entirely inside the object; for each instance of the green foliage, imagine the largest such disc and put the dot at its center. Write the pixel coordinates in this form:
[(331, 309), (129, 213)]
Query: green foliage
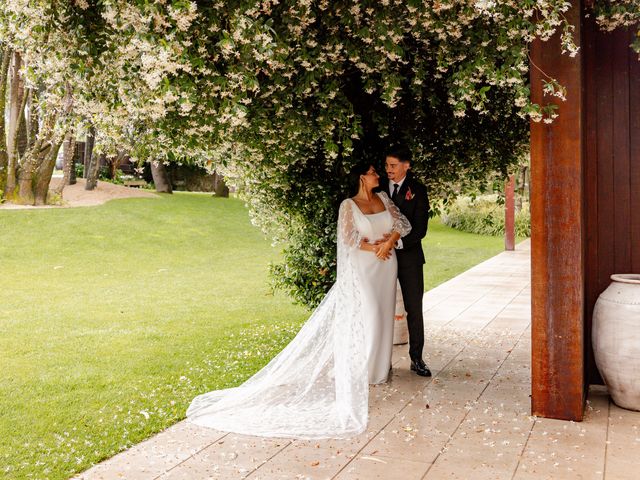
[(79, 167), (104, 174), (283, 97), (450, 252), (619, 13), (485, 215)]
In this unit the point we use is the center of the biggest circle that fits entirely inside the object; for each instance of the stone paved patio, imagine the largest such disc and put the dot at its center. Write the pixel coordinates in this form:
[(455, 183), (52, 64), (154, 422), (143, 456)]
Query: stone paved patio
[(470, 421)]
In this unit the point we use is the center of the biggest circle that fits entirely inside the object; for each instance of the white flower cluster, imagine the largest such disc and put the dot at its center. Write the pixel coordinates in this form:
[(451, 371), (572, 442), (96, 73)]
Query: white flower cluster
[(287, 80), (619, 13)]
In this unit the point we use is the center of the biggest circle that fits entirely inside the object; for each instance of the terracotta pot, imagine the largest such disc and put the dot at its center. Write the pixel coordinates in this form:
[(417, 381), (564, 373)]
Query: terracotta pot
[(616, 339), (400, 329)]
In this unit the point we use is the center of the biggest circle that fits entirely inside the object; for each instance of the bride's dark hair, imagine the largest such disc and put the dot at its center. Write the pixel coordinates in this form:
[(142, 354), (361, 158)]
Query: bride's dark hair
[(354, 176)]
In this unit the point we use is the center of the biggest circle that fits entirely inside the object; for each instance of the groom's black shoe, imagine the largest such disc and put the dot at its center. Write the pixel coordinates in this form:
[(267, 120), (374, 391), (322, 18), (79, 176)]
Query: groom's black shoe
[(420, 368)]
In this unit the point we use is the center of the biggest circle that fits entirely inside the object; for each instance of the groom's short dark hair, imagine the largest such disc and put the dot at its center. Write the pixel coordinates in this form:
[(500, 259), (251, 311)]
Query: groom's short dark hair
[(400, 152)]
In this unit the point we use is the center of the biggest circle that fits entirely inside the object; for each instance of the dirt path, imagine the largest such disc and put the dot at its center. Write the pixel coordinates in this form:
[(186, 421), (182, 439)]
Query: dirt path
[(77, 196)]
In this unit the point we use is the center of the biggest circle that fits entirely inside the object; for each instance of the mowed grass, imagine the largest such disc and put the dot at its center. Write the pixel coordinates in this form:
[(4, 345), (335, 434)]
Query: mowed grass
[(113, 318), (450, 252)]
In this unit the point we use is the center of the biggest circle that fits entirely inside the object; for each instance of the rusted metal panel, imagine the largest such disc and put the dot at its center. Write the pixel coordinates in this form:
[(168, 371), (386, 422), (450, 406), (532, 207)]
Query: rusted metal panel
[(585, 206), (557, 241), (510, 215)]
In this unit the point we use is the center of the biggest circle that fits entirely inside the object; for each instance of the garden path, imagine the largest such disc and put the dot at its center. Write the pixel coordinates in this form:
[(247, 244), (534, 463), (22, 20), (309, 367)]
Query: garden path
[(76, 196)]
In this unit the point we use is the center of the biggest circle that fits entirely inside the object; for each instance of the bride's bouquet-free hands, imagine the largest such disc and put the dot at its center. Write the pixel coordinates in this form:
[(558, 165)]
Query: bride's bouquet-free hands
[(386, 244), (382, 247), (379, 247)]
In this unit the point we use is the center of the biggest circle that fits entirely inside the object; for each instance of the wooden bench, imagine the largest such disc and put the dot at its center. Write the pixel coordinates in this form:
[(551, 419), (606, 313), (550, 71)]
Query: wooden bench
[(135, 183)]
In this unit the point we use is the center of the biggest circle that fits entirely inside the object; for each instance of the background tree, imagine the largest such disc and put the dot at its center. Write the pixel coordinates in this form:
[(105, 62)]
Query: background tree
[(5, 58), (42, 78), (219, 185), (114, 162), (95, 161), (88, 151), (161, 177), (69, 150)]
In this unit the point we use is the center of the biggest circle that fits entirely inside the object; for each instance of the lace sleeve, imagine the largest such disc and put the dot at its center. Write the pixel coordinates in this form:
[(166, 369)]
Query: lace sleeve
[(400, 222), (348, 234)]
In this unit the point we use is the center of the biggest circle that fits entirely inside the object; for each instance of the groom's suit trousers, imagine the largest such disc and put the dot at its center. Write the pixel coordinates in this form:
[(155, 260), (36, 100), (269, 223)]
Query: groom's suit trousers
[(413, 201), (412, 286)]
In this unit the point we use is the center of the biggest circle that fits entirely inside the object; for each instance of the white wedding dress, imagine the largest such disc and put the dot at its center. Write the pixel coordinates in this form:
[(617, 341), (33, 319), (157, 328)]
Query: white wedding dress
[(318, 385)]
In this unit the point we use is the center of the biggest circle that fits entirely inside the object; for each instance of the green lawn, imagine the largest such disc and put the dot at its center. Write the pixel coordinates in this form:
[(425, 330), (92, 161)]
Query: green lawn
[(450, 252), (112, 318)]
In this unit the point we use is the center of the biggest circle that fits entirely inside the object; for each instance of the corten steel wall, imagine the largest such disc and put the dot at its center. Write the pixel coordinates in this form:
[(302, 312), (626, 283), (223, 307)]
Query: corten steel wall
[(557, 267), (585, 204), (611, 165)]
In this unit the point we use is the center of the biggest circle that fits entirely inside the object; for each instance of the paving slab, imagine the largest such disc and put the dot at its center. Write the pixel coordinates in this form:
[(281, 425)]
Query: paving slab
[(623, 444), (159, 454), (561, 449)]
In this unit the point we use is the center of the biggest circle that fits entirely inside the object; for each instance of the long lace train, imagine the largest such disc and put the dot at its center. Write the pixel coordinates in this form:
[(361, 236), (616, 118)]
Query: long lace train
[(317, 387)]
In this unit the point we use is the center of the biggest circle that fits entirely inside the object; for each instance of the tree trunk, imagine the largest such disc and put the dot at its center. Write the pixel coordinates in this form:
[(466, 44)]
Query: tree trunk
[(115, 163), (94, 171), (36, 168), (78, 157), (72, 174), (5, 56), (22, 137), (43, 175), (17, 102), (88, 150), (160, 177), (33, 125), (219, 186), (28, 173), (69, 151), (35, 164)]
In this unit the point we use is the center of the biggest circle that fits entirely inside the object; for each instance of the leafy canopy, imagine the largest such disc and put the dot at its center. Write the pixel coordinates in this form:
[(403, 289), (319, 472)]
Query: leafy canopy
[(285, 96)]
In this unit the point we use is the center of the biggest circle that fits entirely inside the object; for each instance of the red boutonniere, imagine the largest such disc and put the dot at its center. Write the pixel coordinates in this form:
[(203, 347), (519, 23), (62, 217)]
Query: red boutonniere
[(409, 195)]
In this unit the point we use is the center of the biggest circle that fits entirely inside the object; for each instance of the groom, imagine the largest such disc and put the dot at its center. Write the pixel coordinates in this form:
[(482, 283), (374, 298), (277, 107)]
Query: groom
[(411, 198)]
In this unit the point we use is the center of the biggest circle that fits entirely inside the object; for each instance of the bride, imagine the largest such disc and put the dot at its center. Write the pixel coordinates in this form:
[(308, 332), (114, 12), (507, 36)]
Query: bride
[(318, 386)]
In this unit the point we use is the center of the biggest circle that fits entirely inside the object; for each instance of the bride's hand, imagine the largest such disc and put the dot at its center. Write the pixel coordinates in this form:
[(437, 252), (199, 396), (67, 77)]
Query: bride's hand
[(383, 250), (365, 245)]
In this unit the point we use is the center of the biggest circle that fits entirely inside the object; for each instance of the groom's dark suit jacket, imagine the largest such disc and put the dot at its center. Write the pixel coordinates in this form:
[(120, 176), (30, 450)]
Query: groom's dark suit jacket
[(413, 202)]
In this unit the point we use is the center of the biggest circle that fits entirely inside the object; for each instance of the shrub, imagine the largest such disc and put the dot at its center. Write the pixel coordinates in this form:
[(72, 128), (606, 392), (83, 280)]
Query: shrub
[(484, 215)]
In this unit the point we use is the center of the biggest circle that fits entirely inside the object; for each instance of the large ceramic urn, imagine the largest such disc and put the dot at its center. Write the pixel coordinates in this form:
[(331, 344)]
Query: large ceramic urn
[(616, 339)]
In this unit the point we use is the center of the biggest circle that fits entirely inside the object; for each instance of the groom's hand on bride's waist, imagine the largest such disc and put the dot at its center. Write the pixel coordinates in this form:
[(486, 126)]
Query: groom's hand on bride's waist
[(386, 237)]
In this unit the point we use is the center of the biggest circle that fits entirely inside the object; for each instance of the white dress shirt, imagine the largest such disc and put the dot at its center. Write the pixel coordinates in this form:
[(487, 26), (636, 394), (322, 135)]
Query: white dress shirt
[(392, 183)]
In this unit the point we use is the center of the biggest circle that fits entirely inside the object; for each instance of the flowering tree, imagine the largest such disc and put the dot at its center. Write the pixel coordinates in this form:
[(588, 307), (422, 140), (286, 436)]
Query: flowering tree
[(36, 79), (613, 14), (66, 67), (285, 96)]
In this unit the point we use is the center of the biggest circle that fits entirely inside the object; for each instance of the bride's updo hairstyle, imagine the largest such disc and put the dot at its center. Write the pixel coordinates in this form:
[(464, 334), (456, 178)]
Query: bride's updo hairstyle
[(354, 177)]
